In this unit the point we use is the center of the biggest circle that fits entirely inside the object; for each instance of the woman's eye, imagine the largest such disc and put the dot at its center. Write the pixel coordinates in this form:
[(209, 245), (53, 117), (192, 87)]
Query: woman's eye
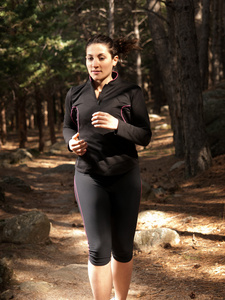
[(101, 58), (90, 58)]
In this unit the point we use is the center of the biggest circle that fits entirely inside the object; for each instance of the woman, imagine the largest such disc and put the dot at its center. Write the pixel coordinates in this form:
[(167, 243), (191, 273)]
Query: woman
[(105, 117)]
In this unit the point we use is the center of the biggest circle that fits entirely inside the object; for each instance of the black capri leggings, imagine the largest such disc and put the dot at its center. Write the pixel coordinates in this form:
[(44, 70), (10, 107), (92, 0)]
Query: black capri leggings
[(109, 207)]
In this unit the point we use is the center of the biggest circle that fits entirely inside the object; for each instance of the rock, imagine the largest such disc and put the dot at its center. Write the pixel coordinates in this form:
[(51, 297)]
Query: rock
[(177, 165), (6, 274), (21, 155), (15, 181), (36, 286), (146, 191), (29, 228), (68, 168), (214, 116), (159, 192), (147, 239), (58, 148)]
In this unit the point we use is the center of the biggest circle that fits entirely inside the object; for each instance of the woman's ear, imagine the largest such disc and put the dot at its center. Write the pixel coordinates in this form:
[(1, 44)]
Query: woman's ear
[(115, 60)]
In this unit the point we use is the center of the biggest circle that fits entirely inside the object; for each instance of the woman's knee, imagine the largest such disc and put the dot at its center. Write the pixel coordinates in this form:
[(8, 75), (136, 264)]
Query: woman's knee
[(123, 255), (99, 256)]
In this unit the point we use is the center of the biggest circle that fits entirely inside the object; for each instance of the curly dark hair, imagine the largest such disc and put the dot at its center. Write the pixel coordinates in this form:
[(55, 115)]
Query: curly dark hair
[(120, 46)]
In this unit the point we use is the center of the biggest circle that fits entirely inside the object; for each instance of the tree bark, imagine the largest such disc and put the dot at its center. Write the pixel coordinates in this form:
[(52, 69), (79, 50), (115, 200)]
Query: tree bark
[(21, 104), (176, 98), (137, 36), (197, 152), (223, 40), (40, 118), (204, 44), (157, 87), (216, 43), (3, 128), (61, 106), (165, 60), (111, 18), (51, 121)]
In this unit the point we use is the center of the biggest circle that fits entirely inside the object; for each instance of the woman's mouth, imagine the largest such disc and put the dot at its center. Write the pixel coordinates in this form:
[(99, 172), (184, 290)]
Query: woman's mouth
[(95, 72)]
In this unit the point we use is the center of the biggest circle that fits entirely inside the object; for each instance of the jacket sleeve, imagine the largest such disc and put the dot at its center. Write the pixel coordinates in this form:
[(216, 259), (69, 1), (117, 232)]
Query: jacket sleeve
[(139, 131), (69, 126)]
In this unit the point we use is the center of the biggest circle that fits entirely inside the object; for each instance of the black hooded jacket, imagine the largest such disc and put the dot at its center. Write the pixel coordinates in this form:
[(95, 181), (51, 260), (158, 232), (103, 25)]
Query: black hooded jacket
[(109, 152)]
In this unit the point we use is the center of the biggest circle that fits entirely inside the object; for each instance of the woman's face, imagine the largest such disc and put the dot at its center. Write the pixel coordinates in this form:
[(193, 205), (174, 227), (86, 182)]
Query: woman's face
[(100, 63)]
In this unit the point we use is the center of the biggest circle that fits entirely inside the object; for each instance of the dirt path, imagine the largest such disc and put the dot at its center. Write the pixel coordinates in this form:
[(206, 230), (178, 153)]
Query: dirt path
[(58, 269)]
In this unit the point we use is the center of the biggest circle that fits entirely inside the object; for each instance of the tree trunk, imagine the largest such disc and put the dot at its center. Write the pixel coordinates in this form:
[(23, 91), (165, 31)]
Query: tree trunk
[(3, 129), (216, 43), (197, 153), (51, 121), (157, 88), (223, 40), (111, 19), (204, 44), (61, 106), (176, 99), (137, 36), (22, 126), (165, 61), (40, 118)]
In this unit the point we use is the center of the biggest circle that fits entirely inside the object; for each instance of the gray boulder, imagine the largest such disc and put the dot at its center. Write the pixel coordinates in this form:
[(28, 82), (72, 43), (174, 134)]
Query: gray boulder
[(214, 116), (147, 239), (29, 228), (21, 155)]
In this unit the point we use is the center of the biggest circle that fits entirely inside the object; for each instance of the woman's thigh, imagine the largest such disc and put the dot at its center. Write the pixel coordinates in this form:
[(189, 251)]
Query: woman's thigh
[(95, 208), (125, 200)]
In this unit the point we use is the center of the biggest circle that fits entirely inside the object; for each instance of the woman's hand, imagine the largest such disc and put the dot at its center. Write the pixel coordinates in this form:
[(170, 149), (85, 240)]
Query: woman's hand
[(104, 120), (77, 146)]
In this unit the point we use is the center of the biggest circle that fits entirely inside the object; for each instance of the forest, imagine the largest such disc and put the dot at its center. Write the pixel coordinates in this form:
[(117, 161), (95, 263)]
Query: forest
[(180, 67), (42, 56)]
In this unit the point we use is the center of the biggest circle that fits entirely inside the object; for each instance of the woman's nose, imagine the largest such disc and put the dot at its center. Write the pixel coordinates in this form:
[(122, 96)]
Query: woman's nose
[(95, 63)]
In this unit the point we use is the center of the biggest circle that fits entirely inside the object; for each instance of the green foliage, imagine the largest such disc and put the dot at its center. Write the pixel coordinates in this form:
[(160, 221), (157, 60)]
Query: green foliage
[(33, 48), (43, 43)]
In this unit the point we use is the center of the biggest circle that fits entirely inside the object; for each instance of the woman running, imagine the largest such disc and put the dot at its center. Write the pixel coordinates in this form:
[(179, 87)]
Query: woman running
[(104, 119)]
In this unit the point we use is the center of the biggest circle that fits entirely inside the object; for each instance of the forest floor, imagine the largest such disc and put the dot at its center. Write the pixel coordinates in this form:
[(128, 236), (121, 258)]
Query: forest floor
[(195, 208)]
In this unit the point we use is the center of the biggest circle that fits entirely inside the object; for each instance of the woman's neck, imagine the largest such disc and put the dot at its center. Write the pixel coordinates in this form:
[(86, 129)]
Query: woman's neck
[(98, 85)]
